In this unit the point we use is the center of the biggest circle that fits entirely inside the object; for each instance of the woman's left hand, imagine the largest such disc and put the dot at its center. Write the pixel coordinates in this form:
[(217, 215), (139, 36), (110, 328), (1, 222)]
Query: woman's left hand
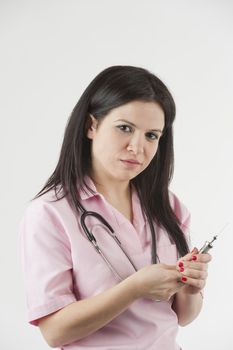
[(193, 268)]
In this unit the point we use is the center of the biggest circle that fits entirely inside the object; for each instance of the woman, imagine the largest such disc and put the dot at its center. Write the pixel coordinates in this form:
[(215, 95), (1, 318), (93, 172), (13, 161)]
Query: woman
[(116, 160)]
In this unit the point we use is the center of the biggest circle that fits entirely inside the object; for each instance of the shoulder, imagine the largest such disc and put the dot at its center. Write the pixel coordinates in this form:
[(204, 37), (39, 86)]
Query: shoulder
[(45, 223), (48, 201), (181, 212), (47, 208), (179, 208)]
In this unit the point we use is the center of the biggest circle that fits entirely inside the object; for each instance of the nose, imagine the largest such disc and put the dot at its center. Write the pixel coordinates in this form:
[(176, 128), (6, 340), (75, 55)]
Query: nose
[(136, 144)]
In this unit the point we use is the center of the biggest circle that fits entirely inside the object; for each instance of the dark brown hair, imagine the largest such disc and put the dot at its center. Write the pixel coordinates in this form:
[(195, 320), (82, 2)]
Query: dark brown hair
[(112, 88)]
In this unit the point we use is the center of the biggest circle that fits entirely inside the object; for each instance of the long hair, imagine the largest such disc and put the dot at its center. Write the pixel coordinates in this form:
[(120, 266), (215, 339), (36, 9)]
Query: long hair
[(113, 87)]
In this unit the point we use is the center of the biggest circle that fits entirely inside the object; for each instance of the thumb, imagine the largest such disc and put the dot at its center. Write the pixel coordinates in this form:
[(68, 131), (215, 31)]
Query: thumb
[(194, 251), (188, 256)]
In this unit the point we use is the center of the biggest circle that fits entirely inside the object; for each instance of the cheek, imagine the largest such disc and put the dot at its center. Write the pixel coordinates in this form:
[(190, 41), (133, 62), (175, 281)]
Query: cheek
[(104, 150), (151, 152)]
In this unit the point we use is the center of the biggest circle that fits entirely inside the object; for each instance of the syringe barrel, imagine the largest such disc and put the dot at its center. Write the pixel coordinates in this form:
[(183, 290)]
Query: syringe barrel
[(206, 247)]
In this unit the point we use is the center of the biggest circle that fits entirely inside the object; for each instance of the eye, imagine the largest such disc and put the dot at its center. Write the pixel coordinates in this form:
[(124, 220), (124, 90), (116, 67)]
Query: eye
[(152, 136), (125, 128)]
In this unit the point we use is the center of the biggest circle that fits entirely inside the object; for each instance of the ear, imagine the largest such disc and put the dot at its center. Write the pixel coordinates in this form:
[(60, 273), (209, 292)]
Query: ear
[(91, 127)]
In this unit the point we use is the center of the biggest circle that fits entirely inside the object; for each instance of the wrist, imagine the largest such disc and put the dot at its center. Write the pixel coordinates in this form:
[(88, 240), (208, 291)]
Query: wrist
[(133, 286), (190, 293)]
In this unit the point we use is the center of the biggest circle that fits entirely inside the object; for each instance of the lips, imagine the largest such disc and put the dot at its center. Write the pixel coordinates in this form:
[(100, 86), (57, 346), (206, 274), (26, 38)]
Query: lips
[(131, 161)]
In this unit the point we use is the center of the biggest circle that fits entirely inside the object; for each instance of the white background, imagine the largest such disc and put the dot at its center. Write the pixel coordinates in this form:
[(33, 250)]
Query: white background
[(50, 51)]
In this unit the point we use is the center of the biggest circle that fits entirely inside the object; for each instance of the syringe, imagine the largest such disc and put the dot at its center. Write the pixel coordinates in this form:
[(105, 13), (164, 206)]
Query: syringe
[(208, 245)]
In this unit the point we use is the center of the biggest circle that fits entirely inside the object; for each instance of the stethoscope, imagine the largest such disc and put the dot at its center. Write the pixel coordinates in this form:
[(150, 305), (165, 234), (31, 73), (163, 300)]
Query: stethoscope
[(108, 228)]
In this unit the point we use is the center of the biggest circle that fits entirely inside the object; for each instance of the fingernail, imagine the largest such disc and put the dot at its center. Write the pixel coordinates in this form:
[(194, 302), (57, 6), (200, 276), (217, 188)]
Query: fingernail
[(181, 269), (194, 257), (184, 279), (180, 264)]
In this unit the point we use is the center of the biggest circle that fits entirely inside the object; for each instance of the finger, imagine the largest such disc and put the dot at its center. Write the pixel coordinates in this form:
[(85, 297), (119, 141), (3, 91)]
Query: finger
[(194, 250), (190, 254), (195, 274), (183, 265), (175, 277), (205, 258), (197, 283)]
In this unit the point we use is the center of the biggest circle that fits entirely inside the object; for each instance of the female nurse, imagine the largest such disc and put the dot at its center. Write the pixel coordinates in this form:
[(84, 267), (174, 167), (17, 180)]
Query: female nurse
[(116, 160)]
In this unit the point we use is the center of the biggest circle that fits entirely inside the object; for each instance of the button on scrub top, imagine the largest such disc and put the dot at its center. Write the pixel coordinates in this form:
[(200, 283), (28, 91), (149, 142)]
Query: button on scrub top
[(61, 266)]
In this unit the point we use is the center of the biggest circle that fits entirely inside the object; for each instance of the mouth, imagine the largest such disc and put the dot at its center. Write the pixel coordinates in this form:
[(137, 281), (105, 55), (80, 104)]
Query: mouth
[(131, 161)]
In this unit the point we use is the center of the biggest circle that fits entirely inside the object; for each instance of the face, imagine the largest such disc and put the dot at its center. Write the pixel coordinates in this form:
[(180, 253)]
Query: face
[(125, 141)]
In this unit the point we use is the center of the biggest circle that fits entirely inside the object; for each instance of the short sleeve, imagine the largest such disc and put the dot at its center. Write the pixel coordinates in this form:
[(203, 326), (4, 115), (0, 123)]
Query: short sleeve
[(183, 215), (46, 261)]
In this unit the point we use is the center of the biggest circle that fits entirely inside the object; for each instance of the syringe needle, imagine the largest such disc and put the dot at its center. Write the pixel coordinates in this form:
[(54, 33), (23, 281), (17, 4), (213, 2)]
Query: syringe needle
[(223, 229), (208, 245), (214, 238)]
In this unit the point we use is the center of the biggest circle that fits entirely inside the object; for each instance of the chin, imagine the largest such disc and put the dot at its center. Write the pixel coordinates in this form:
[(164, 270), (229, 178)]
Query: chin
[(125, 177)]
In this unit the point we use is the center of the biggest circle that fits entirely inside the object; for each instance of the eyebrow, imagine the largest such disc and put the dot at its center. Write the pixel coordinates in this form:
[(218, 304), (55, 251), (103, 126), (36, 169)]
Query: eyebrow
[(130, 123)]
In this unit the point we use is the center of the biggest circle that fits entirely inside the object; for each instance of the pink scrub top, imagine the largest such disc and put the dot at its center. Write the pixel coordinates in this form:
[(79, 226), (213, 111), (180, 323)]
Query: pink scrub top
[(61, 266)]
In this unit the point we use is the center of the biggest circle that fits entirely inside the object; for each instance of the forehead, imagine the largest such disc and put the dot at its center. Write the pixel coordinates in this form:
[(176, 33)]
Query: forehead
[(147, 114)]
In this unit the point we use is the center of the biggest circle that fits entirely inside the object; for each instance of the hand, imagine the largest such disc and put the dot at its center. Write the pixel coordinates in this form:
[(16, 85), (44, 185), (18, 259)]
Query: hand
[(157, 282), (193, 268)]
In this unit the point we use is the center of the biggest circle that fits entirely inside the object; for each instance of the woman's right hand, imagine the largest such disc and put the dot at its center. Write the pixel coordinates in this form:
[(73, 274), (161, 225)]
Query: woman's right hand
[(157, 282)]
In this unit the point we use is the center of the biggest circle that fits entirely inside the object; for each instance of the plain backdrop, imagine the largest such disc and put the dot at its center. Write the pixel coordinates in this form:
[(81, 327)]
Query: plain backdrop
[(50, 51)]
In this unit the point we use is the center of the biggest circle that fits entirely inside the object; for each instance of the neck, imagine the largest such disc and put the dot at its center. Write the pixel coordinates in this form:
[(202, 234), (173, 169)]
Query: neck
[(113, 190), (117, 194)]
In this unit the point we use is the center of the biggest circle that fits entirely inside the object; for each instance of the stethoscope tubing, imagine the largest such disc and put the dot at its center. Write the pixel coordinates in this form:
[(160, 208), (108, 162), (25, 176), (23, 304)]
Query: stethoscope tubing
[(107, 227)]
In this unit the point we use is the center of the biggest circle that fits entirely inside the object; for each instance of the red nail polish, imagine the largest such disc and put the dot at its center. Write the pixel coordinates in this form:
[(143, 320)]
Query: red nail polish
[(194, 257), (181, 269), (184, 279), (180, 264)]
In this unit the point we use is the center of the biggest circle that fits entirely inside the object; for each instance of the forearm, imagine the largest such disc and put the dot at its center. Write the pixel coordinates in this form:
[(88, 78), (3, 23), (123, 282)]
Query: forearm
[(84, 317), (187, 306)]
